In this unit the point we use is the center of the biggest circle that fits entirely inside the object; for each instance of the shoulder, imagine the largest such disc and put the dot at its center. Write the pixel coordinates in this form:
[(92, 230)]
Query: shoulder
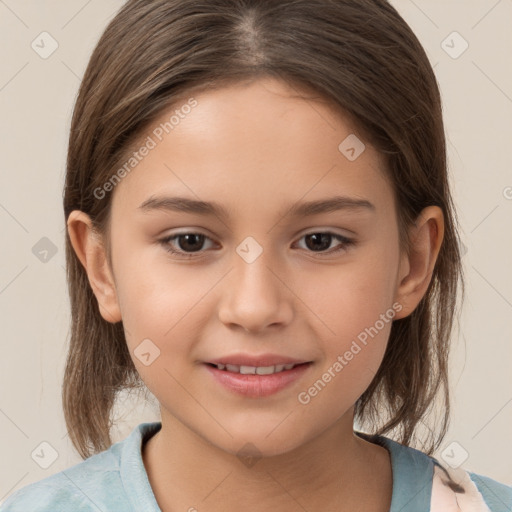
[(497, 495), (79, 487), (462, 490), (422, 482), (52, 493), (88, 485)]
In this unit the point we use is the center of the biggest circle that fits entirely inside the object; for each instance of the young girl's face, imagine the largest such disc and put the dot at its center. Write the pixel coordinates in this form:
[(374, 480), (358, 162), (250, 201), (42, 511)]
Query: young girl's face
[(257, 281)]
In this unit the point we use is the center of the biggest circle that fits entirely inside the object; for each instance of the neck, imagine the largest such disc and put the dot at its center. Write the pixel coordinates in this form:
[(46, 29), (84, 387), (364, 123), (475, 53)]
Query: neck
[(331, 471)]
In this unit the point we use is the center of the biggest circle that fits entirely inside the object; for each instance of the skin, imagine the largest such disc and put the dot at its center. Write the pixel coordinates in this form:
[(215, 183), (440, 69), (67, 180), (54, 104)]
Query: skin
[(257, 150)]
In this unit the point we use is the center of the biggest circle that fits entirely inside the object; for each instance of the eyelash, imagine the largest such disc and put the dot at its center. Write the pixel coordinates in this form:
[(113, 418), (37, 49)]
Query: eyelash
[(346, 243)]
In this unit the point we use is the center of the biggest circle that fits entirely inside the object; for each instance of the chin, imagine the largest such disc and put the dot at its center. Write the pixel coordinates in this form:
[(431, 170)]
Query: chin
[(257, 444)]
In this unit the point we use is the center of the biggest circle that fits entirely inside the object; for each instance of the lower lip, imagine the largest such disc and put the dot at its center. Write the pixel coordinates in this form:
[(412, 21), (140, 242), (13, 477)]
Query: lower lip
[(257, 386)]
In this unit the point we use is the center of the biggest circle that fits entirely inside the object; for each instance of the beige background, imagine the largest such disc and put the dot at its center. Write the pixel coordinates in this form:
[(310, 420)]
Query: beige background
[(36, 99)]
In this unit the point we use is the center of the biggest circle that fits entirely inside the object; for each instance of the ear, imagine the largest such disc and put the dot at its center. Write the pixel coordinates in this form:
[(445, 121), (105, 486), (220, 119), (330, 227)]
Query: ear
[(90, 250), (416, 268)]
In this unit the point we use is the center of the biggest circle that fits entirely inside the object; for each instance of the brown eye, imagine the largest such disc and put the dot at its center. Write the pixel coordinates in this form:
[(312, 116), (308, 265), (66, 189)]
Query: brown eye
[(190, 242), (184, 244), (319, 242)]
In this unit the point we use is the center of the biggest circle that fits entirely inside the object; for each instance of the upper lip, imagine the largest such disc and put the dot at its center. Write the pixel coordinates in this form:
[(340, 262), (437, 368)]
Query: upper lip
[(261, 360)]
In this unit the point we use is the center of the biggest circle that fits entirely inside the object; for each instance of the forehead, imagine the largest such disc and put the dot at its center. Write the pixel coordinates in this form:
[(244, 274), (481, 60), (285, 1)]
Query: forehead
[(253, 145)]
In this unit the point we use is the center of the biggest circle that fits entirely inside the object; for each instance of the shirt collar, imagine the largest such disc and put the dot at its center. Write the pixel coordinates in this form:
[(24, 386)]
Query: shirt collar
[(413, 472)]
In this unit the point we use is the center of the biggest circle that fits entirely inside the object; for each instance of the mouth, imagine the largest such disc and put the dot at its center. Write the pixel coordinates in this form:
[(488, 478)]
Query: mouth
[(256, 370), (257, 381)]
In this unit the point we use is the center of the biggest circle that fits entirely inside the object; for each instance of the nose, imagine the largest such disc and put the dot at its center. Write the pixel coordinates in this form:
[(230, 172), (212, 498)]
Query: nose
[(255, 296)]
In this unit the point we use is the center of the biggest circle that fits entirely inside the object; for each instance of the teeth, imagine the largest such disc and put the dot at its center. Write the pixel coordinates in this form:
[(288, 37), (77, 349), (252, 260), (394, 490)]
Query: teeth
[(255, 370), (265, 370)]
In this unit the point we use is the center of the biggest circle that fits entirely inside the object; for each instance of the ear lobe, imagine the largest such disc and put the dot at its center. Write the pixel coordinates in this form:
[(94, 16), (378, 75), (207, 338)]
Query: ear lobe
[(90, 250), (416, 268)]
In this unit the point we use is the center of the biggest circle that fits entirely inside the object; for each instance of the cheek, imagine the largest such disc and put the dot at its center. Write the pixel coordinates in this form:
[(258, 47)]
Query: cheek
[(163, 310), (152, 292), (355, 305), (159, 331), (348, 298), (352, 356)]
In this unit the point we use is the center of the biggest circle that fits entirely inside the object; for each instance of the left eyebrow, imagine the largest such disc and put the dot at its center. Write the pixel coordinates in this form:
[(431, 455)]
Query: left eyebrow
[(305, 209), (331, 204)]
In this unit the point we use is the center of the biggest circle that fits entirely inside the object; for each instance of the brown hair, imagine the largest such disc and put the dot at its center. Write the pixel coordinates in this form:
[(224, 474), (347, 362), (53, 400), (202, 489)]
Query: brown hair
[(358, 55)]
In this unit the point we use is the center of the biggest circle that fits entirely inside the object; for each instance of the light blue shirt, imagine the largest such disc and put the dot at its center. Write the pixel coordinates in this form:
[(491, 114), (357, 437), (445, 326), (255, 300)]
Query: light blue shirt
[(116, 480)]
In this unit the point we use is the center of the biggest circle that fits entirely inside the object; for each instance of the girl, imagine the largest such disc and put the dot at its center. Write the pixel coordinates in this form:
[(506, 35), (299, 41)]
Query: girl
[(301, 145)]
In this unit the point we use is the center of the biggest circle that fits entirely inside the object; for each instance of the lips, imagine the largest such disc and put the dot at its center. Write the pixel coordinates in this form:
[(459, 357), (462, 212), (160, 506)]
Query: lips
[(255, 384)]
